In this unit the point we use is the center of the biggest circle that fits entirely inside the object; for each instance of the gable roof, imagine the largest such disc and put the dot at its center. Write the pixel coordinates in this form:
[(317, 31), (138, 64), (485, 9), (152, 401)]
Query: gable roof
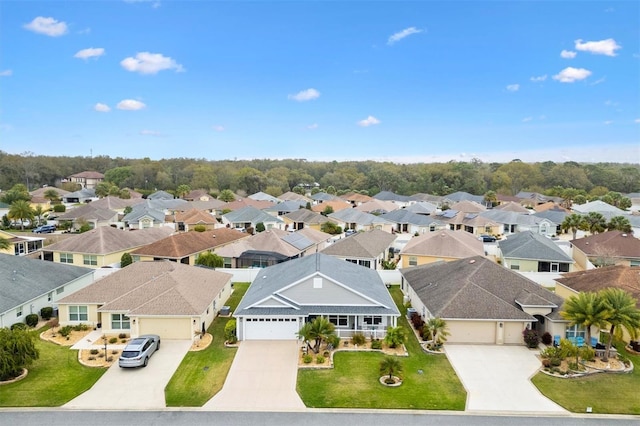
[(556, 216), (286, 206), (356, 278), (391, 196), (512, 206), (105, 240), (154, 288), (358, 217), (468, 206), (187, 243), (598, 206), (25, 279), (247, 202), (380, 206), (160, 195), (445, 243), (89, 212), (363, 244), (476, 288), (422, 207), (115, 203), (406, 216), (463, 196), (337, 205), (194, 216), (251, 214), (615, 243), (289, 195), (263, 196), (355, 197), (528, 245), (618, 276), (88, 175), (306, 216)]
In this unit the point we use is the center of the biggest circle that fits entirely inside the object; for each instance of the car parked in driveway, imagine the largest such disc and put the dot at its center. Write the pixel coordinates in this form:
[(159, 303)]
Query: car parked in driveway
[(45, 229), (139, 350), (488, 238)]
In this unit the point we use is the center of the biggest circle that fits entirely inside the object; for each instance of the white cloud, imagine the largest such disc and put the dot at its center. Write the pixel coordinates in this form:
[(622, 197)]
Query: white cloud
[(568, 54), (91, 52), (6, 73), (598, 81), (570, 74), (608, 122), (312, 126), (85, 31), (150, 63), (47, 26), (102, 107), (149, 133), (539, 79), (130, 105), (527, 119), (305, 95), (402, 34), (603, 47), (369, 121), (637, 120), (611, 103), (218, 128), (513, 87)]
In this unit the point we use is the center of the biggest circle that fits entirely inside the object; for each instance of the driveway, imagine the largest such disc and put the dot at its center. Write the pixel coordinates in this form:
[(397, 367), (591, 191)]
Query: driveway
[(262, 378), (135, 388), (497, 378)]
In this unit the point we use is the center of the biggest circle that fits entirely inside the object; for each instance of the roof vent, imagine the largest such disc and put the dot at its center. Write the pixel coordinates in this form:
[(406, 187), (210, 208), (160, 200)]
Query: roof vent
[(472, 261), (624, 235)]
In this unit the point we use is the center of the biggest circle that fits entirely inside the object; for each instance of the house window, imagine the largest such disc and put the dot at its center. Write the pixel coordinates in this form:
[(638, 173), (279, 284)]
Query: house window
[(227, 262), (372, 320), (339, 320), (515, 266), (634, 263), (366, 263), (66, 257), (352, 261), (413, 261), (19, 249), (432, 228), (487, 229), (145, 223), (60, 290), (88, 259), (575, 331), (50, 297), (19, 311), (135, 258), (78, 313), (120, 322)]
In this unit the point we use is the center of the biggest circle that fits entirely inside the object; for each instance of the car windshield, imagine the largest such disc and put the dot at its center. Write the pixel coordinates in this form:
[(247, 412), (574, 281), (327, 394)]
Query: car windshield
[(130, 354)]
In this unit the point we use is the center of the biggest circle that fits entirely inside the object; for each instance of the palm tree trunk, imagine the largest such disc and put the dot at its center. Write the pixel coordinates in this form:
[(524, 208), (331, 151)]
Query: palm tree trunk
[(605, 357)]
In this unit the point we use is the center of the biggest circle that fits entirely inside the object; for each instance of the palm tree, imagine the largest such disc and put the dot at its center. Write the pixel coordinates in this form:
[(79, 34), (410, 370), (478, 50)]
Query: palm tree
[(438, 329), (594, 222), (182, 190), (39, 212), (395, 336), (20, 210), (586, 309), (390, 365), (226, 195), (318, 330), (573, 223), (619, 223), (622, 313), (4, 244), (51, 195)]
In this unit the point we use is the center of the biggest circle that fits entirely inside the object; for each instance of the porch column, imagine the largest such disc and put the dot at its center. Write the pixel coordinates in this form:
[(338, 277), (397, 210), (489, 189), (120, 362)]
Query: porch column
[(355, 323)]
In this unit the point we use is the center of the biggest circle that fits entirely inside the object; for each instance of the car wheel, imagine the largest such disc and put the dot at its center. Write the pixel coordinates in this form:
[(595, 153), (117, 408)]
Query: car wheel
[(158, 348), (146, 361)]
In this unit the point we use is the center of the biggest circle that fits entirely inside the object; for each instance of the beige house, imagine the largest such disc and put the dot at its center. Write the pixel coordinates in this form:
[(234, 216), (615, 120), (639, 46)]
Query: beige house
[(169, 299), (607, 248), (187, 220), (101, 247), (21, 245), (366, 249), (87, 179), (303, 218), (441, 245)]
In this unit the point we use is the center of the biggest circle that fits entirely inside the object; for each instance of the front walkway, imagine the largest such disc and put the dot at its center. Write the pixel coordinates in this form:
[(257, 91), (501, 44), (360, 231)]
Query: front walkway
[(262, 378), (497, 378)]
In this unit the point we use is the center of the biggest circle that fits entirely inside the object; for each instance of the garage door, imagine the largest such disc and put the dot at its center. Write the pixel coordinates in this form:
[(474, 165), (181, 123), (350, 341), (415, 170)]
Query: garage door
[(472, 332), (166, 328), (271, 328)]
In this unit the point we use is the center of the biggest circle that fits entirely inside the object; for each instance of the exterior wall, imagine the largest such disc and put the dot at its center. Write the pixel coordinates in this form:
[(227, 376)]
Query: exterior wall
[(581, 258), (471, 331), (556, 328), (166, 328), (92, 313), (525, 265), (111, 259), (564, 291), (422, 260), (305, 292)]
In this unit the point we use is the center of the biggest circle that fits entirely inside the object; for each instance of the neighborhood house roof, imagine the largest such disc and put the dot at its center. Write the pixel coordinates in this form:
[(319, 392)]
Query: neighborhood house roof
[(105, 240), (361, 245), (358, 217), (528, 245), (188, 243), (445, 243), (593, 280), (614, 243), (252, 215)]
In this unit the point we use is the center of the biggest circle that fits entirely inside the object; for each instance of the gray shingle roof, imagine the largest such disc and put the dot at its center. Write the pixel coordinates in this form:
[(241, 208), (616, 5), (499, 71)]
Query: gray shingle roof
[(391, 196), (527, 245), (105, 240), (306, 216), (250, 214), (361, 245), (355, 216), (445, 243), (406, 216), (23, 279)]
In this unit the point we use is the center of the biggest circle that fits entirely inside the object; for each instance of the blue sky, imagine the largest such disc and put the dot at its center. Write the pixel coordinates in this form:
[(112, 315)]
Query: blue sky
[(413, 81)]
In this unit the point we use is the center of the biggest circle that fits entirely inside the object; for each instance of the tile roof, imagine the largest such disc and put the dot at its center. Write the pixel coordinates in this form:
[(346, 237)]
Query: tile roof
[(194, 217), (476, 288), (445, 243), (362, 245), (105, 240), (187, 243), (528, 245), (154, 288), (618, 276), (336, 205), (615, 243)]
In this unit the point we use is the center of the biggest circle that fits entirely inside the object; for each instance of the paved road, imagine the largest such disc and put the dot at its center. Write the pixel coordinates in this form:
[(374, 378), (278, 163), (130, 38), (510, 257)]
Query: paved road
[(262, 378), (497, 378), (135, 388)]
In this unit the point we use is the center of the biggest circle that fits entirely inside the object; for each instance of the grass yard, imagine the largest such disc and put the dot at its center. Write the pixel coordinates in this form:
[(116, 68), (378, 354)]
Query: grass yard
[(53, 380), (201, 374), (353, 382), (606, 393)]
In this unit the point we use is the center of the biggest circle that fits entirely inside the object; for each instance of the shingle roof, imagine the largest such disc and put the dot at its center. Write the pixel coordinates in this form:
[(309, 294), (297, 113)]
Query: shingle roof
[(187, 243), (41, 191), (527, 245), (262, 196), (356, 197), (306, 216), (251, 214), (468, 206), (246, 202), (160, 195), (615, 243), (336, 205), (475, 288), (23, 279), (89, 212), (434, 199), (553, 215), (361, 245), (391, 196), (115, 203), (105, 240), (355, 216), (194, 216), (618, 276), (286, 206), (463, 196), (88, 175), (512, 206), (377, 206), (154, 288), (445, 243), (422, 207), (598, 206), (293, 196), (323, 196), (406, 216)]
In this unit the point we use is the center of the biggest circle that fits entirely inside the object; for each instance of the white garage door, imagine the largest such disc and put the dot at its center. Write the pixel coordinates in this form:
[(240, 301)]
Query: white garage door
[(271, 328)]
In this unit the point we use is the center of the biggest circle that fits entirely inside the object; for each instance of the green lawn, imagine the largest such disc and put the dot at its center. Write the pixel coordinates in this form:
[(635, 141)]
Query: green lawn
[(53, 380), (353, 382), (201, 374), (606, 393)]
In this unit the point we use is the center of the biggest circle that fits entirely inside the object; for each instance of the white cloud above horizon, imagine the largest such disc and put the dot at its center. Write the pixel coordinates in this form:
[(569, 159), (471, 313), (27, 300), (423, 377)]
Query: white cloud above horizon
[(538, 79), (396, 37), (369, 121), (91, 52), (100, 107), (305, 95), (150, 63), (312, 126), (570, 75), (47, 26), (6, 73), (130, 105), (150, 133), (513, 87), (568, 54), (606, 47)]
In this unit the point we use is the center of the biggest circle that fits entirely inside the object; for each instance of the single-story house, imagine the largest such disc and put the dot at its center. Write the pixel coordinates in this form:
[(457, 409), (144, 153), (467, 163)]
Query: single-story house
[(400, 200), (406, 221), (285, 296), (359, 221), (531, 252), (172, 300), (480, 301), (607, 248), (356, 199), (186, 221), (94, 215), (303, 218), (249, 217), (444, 245), (366, 249), (28, 285), (84, 195), (21, 245)]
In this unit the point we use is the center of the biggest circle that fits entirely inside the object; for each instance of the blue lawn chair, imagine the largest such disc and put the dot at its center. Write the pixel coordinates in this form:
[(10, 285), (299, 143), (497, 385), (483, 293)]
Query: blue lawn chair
[(556, 340), (594, 342), (579, 341)]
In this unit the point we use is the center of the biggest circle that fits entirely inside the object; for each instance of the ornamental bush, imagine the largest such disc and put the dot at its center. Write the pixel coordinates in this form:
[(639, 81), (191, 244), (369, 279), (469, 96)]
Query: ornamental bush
[(31, 320), (376, 344), (531, 338), (230, 331), (46, 313), (358, 339)]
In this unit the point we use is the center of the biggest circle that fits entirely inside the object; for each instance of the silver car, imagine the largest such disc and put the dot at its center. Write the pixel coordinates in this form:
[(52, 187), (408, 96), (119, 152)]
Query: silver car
[(139, 350)]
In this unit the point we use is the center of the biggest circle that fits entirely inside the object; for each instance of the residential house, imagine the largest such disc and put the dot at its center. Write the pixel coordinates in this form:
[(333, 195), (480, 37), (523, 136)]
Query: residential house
[(377, 207), (116, 203), (185, 247), (160, 195), (21, 245), (406, 221), (89, 213), (86, 179), (28, 285), (549, 205), (532, 199), (172, 300), (423, 208), (366, 249), (303, 218), (512, 206), (39, 192), (101, 247), (607, 248), (241, 203), (457, 197), (84, 195), (285, 296), (513, 222), (599, 206), (473, 223), (400, 200), (263, 196), (249, 217), (429, 198), (292, 196), (188, 220), (153, 213), (481, 302), (198, 195), (555, 217), (213, 206), (531, 252), (444, 245), (360, 221), (356, 199), (336, 205), (322, 197), (285, 207)]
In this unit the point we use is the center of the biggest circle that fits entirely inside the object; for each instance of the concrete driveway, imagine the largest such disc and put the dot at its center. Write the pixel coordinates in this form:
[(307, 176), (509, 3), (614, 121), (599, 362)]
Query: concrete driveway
[(262, 378), (135, 388), (497, 378)]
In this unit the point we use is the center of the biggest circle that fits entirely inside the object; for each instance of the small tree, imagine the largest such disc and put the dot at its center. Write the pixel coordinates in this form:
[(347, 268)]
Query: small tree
[(531, 338), (396, 336), (327, 211), (199, 228), (210, 260), (438, 329), (391, 366), (226, 195), (260, 227), (17, 351), (230, 331), (125, 260)]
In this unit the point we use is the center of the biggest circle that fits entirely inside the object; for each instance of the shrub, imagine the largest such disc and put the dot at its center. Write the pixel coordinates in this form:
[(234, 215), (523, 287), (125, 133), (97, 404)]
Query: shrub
[(113, 340), (358, 339), (546, 363), (19, 326), (94, 351), (531, 338), (425, 333), (46, 313), (80, 327), (65, 331), (326, 354), (376, 344), (333, 340), (587, 353), (122, 336), (100, 355), (114, 352), (110, 359), (574, 366), (53, 323), (320, 359), (199, 228), (546, 338), (417, 321), (59, 208), (92, 358), (123, 341), (31, 320), (230, 331), (307, 359)]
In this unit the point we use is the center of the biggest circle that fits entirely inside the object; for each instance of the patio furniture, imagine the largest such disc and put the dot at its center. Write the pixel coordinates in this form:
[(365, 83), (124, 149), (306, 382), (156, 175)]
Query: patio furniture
[(556, 340)]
